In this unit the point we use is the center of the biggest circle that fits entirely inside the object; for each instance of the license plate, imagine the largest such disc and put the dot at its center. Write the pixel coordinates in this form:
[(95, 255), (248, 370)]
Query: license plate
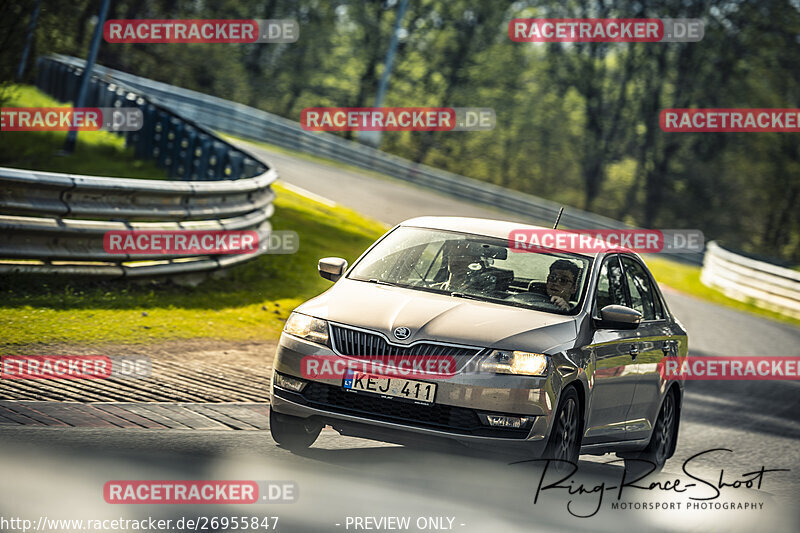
[(406, 389)]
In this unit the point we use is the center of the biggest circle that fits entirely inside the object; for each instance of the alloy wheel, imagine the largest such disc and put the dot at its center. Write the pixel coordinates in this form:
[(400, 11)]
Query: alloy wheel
[(567, 430), (665, 429)]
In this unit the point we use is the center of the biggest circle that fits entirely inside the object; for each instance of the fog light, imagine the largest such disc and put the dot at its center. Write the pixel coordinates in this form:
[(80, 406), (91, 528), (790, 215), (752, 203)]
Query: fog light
[(504, 421), (288, 382)]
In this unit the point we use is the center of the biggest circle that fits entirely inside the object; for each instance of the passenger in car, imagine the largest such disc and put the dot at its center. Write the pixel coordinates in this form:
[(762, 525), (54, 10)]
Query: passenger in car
[(562, 283)]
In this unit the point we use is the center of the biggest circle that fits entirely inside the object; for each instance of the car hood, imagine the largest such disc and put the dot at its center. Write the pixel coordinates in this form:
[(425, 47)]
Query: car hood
[(441, 317)]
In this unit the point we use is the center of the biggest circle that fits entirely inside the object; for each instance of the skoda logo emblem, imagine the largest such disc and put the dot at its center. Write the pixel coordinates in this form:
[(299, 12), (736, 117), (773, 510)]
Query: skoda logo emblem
[(402, 333)]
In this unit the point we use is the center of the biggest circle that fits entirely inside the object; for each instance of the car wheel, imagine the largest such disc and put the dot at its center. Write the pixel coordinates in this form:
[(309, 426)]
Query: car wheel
[(662, 439), (291, 432), (565, 436)]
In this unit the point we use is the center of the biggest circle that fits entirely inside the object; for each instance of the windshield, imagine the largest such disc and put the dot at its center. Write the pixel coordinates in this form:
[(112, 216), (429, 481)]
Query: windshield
[(475, 267)]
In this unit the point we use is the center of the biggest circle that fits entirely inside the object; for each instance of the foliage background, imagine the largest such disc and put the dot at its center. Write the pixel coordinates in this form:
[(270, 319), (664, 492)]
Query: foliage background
[(577, 123)]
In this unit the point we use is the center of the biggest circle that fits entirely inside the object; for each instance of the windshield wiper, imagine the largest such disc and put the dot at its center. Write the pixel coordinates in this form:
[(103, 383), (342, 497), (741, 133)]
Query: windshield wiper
[(381, 282), (467, 296)]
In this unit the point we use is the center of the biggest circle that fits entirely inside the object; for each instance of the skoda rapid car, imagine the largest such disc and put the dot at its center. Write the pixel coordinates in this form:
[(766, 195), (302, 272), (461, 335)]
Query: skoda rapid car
[(556, 354)]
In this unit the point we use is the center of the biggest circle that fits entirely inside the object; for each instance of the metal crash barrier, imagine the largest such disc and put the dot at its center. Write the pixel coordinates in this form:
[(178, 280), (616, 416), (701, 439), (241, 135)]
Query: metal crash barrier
[(747, 280), (54, 223)]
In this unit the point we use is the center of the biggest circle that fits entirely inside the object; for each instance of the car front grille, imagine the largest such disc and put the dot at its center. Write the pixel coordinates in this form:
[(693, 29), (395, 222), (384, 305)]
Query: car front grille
[(434, 416), (347, 341)]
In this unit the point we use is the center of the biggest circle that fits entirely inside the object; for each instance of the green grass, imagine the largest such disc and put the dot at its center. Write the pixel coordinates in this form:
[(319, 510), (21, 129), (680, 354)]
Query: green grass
[(97, 153), (686, 279), (251, 302)]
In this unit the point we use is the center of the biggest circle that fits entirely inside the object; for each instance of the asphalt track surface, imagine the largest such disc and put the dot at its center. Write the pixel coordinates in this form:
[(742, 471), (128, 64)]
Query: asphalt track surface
[(57, 472)]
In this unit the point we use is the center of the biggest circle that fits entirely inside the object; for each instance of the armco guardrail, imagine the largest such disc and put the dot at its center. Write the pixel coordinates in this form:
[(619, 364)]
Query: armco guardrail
[(55, 223), (745, 279), (244, 121), (184, 148)]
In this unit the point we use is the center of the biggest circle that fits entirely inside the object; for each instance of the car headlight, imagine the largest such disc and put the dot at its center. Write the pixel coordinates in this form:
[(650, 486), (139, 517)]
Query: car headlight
[(307, 327), (515, 362)]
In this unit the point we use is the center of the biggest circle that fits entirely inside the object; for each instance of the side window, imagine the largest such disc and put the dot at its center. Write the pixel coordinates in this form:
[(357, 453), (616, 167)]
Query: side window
[(658, 304), (643, 297), (610, 289)]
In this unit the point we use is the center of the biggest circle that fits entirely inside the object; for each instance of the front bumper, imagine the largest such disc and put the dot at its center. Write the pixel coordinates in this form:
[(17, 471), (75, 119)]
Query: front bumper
[(454, 415)]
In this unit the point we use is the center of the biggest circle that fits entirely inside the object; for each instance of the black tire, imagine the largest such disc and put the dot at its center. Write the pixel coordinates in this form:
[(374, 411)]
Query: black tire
[(291, 432), (661, 441), (565, 436)]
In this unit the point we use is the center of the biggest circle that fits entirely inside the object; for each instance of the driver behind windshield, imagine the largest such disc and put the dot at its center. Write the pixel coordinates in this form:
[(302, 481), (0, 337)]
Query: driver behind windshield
[(562, 283), (465, 267)]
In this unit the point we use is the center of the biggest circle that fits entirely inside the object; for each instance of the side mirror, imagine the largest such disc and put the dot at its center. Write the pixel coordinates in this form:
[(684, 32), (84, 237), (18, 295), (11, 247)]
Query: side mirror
[(618, 317), (332, 268)]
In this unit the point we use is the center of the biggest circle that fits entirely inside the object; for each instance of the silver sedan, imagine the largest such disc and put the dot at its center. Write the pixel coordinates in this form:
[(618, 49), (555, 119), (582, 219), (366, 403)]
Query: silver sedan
[(546, 353)]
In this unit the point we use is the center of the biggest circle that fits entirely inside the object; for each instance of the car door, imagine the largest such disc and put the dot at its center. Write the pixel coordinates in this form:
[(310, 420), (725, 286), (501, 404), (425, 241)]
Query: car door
[(655, 338), (611, 371)]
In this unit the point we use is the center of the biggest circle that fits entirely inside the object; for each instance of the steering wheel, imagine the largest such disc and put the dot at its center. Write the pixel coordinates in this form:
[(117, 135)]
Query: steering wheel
[(537, 299)]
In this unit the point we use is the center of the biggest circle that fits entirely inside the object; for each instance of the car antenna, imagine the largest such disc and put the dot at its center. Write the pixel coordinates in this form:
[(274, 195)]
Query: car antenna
[(560, 211)]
